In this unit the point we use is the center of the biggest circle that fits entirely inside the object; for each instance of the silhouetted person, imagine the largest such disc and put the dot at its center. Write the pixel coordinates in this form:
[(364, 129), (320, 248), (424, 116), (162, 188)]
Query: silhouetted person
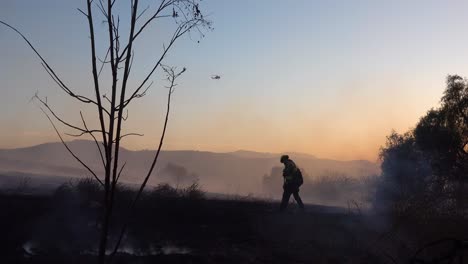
[(292, 181)]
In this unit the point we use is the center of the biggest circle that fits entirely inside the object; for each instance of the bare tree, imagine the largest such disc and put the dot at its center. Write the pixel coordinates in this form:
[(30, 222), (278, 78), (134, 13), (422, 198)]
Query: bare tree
[(113, 111)]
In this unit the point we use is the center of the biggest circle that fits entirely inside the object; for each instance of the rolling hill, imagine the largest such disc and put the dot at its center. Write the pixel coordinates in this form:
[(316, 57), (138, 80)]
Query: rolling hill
[(238, 172)]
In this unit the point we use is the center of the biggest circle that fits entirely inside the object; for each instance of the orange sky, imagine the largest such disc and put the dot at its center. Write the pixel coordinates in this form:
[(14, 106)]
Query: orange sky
[(331, 80)]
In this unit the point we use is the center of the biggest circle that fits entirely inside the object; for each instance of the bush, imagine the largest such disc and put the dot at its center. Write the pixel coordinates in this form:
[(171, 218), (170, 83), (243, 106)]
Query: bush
[(193, 191), (166, 191)]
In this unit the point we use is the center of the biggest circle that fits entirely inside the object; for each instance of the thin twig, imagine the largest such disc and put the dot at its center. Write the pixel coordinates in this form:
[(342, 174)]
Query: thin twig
[(120, 172), (95, 140), (68, 148), (153, 164)]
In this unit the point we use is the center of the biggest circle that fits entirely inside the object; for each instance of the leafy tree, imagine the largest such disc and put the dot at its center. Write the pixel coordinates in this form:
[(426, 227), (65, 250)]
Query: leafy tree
[(405, 172), (443, 135), (429, 163)]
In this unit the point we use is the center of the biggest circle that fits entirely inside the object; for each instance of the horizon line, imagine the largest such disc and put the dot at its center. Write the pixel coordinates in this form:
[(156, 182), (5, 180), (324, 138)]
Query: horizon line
[(196, 150)]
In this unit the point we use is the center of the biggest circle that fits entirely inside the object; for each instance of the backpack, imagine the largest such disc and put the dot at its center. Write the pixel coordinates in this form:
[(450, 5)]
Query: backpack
[(298, 177)]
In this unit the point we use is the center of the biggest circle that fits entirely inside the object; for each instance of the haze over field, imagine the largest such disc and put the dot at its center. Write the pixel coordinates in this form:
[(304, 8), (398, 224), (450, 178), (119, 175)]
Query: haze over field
[(238, 172)]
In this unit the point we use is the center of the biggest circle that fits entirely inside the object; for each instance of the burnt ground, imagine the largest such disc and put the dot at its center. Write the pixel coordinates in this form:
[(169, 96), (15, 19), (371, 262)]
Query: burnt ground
[(169, 228)]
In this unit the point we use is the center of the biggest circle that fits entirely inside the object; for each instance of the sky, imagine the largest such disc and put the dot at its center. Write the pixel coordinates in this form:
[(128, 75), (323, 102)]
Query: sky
[(328, 78)]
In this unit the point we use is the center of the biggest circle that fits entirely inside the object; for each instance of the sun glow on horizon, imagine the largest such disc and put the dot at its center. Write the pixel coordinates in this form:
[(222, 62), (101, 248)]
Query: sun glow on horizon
[(331, 81)]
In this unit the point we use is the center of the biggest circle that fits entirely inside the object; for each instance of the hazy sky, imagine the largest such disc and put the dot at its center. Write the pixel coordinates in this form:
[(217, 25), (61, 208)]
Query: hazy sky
[(329, 78)]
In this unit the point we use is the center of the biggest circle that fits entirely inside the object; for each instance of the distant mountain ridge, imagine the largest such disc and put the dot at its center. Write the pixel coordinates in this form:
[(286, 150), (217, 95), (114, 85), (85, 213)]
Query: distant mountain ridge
[(231, 172), (255, 154)]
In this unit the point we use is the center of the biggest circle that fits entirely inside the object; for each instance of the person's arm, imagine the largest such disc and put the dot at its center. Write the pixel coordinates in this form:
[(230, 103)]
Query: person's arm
[(288, 169)]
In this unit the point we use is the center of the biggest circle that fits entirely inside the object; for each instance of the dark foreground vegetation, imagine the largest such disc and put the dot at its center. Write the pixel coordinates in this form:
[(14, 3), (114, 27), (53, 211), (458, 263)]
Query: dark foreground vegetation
[(183, 226)]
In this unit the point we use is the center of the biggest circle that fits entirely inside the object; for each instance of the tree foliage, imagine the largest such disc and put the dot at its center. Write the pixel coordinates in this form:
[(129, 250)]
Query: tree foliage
[(427, 165)]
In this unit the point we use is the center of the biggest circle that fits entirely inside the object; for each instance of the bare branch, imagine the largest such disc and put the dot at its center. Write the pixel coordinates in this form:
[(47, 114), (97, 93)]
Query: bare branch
[(81, 11), (172, 78), (131, 63), (27, 41), (120, 172), (95, 140), (142, 12), (126, 116), (103, 62), (128, 62), (86, 132), (54, 76), (163, 5), (96, 78), (105, 97), (122, 98), (109, 186), (82, 131), (139, 95), (44, 103), (133, 37), (114, 66), (51, 72), (101, 7), (81, 98), (115, 28), (130, 134), (181, 30), (68, 148)]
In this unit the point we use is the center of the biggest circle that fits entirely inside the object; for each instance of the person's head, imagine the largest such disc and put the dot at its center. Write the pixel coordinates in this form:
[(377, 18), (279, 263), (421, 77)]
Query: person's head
[(284, 158)]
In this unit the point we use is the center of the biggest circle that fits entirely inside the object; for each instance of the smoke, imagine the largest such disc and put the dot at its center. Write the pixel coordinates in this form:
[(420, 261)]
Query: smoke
[(177, 175), (328, 188)]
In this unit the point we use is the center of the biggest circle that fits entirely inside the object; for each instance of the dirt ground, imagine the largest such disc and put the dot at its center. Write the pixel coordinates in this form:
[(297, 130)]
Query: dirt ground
[(63, 228)]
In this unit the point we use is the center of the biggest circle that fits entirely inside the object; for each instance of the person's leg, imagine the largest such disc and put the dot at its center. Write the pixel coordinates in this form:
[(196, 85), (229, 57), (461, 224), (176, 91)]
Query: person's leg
[(285, 199), (298, 199)]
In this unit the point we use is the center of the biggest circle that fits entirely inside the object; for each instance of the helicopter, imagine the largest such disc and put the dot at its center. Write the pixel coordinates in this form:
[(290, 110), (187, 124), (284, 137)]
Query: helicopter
[(216, 77)]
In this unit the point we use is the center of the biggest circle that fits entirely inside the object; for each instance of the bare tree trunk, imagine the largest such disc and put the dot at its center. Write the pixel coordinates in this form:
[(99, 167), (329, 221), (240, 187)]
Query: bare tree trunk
[(104, 235)]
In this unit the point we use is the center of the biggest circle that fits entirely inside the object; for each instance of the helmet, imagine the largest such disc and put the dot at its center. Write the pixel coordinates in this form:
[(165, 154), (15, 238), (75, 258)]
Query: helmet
[(284, 158)]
